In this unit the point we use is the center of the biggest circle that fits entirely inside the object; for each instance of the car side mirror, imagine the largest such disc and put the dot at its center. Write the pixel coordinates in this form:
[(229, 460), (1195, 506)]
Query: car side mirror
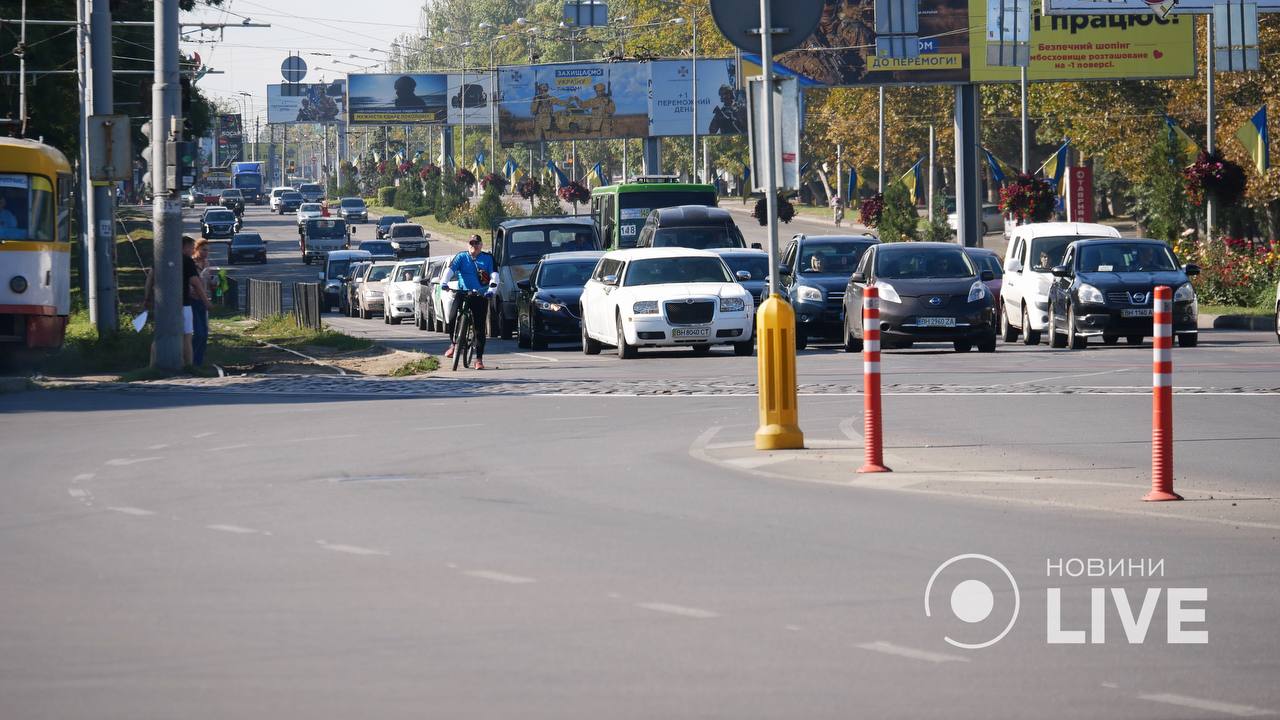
[(1013, 265), (743, 275), (523, 284), (1191, 269), (610, 279), (320, 275), (756, 246), (987, 276), (858, 278), (784, 270), (426, 234), (1061, 271)]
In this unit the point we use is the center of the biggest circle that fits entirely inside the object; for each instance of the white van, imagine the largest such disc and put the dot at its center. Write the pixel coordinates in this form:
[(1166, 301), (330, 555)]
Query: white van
[(276, 192), (1032, 252)]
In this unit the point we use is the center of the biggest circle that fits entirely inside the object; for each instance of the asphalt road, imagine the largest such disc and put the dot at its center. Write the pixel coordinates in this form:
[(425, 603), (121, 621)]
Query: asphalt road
[(568, 537)]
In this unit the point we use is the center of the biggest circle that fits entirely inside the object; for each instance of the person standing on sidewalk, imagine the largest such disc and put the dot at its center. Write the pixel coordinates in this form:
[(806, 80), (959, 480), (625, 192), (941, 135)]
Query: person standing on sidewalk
[(837, 209), (193, 296), (200, 309)]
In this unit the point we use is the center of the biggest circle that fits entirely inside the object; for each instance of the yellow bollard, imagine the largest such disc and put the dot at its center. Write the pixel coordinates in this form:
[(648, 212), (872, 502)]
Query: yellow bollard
[(776, 350)]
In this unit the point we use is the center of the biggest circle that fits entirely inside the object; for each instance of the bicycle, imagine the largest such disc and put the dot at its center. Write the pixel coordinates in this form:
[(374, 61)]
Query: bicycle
[(464, 329)]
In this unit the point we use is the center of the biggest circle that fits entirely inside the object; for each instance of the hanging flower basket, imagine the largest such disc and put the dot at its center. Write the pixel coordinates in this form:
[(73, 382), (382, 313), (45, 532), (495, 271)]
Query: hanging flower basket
[(1027, 199), (405, 168), (494, 179), (429, 170), (382, 168), (528, 188), (786, 211), (575, 192), (870, 209), (1215, 178), (465, 177)]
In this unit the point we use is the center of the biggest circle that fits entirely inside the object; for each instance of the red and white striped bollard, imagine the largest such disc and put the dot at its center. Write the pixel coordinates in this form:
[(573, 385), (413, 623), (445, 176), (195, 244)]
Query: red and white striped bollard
[(872, 441), (1162, 399)]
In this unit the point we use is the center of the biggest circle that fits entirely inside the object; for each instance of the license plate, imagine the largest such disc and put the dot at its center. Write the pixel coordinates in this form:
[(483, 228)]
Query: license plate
[(936, 322), (690, 332), (1136, 312)]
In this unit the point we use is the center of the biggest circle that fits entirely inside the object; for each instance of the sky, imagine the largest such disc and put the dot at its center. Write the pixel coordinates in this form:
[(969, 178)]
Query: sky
[(251, 57)]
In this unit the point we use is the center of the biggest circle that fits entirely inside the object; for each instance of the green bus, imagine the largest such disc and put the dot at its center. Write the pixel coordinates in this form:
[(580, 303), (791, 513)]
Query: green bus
[(620, 210)]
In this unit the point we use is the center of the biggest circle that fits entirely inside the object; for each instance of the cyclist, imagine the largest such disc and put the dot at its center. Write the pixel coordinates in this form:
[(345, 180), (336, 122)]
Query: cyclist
[(476, 277)]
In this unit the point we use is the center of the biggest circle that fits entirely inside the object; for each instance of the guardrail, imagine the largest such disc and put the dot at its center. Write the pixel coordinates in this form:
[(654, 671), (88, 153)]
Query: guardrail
[(306, 305), (263, 299)]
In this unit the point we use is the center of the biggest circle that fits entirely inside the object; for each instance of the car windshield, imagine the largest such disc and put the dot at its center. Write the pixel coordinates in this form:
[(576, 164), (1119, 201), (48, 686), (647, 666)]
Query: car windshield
[(247, 239), (757, 265), (698, 238), (338, 268), (526, 246), (377, 248), (220, 216), (565, 274), (987, 261), (309, 207), (907, 263), (407, 273), (309, 188), (325, 228), (352, 202), (407, 231), (232, 194), (379, 272), (658, 271), (1046, 252), (838, 258), (291, 196), (389, 220), (1125, 257)]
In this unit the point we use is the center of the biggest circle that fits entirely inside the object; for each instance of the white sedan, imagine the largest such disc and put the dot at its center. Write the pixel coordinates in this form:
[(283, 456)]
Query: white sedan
[(663, 297), (309, 211), (401, 291)]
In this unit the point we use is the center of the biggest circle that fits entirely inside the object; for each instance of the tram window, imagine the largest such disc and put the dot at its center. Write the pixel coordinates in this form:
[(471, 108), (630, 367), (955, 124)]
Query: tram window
[(66, 185), (26, 207)]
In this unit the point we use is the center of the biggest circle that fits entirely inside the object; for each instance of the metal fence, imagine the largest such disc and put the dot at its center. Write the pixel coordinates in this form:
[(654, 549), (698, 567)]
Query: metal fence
[(263, 299), (306, 305)]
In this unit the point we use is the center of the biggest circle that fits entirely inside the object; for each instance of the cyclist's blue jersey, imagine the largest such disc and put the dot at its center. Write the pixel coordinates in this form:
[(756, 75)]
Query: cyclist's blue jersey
[(472, 274)]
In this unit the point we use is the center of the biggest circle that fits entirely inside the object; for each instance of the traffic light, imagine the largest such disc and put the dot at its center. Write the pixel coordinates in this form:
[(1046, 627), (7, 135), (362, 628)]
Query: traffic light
[(146, 181), (180, 159)]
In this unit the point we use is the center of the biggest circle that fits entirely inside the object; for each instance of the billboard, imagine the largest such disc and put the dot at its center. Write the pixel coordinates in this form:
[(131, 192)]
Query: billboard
[(722, 107), (1080, 47), (292, 103), (581, 101), (398, 98), (474, 92)]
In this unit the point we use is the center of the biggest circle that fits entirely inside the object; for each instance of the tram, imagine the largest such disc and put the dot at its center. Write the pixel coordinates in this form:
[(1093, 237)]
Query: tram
[(35, 245)]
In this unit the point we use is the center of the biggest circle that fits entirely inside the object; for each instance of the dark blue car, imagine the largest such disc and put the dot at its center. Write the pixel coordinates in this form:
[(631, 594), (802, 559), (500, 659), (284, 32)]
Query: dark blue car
[(548, 304), (814, 271)]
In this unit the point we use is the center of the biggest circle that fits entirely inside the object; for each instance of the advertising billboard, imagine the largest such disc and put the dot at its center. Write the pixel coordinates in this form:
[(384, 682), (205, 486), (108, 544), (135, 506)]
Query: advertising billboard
[(292, 103), (581, 101), (474, 92), (1081, 47), (398, 99), (722, 107)]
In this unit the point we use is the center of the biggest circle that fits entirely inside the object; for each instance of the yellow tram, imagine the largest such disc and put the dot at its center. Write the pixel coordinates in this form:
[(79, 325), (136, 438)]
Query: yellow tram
[(35, 244)]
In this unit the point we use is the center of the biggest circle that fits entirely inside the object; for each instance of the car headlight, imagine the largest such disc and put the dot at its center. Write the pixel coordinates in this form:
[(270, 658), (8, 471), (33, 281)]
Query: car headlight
[(375, 293), (887, 292), (809, 293), (732, 304), (1186, 293), (1089, 294), (549, 306), (645, 307), (395, 244), (977, 291)]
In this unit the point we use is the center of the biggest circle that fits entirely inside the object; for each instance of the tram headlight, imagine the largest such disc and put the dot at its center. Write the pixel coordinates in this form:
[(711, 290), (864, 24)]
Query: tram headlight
[(18, 284)]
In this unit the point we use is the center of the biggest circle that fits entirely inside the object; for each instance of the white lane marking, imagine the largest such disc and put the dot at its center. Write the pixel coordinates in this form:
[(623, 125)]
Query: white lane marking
[(1064, 377), (161, 446), (203, 435), (78, 493), (450, 427), (348, 436), (576, 417), (499, 577), (350, 549), (84, 476), (1208, 705), (681, 610), (121, 462), (222, 448), (1110, 685), (792, 628), (131, 511), (233, 529), (538, 357), (888, 648)]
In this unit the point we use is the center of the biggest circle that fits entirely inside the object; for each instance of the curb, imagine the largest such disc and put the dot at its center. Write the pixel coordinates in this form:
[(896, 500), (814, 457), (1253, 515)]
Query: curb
[(1260, 323), (10, 384)]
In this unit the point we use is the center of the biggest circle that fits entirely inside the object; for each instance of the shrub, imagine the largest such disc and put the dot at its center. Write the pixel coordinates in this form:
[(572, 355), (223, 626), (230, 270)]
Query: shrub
[(937, 230), (546, 202), (489, 211), (387, 196), (899, 220)]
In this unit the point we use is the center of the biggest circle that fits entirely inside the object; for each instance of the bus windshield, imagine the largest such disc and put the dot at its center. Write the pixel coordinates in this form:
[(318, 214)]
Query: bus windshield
[(324, 228), (249, 181), (26, 207), (634, 207)]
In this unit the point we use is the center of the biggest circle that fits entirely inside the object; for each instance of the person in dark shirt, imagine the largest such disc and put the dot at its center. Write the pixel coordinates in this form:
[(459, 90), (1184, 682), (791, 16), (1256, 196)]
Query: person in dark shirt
[(192, 293)]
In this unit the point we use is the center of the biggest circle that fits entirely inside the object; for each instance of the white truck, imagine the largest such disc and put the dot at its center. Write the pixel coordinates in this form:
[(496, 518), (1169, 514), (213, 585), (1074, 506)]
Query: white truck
[(320, 236)]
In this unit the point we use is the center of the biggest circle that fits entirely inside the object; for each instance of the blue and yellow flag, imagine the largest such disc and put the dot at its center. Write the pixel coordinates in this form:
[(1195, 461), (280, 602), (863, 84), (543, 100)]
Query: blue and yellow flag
[(852, 193), (1256, 140), (596, 177), (509, 169), (1181, 139), (997, 172), (1056, 166), (561, 179), (915, 185)]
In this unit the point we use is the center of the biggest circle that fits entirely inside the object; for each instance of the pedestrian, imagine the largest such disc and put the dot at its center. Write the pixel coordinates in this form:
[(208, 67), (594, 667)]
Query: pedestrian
[(324, 208), (192, 293), (474, 270), (837, 209), (208, 278)]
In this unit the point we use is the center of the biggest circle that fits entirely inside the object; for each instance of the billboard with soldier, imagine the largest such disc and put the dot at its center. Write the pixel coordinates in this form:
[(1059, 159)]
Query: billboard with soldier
[(398, 98), (291, 103), (583, 101), (722, 106)]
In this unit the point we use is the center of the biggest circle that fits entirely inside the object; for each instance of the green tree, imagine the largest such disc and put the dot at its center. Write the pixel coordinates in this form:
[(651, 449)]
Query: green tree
[(490, 211), (937, 230), (1161, 201), (451, 197), (899, 221)]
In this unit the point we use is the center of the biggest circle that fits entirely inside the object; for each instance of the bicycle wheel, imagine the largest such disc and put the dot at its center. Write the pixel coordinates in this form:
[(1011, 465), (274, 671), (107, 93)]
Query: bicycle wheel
[(463, 338), (469, 350)]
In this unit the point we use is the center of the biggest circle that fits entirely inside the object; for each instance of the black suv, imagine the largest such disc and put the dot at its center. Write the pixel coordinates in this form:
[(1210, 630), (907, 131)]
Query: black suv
[(385, 222), (233, 200), (691, 226), (1106, 288)]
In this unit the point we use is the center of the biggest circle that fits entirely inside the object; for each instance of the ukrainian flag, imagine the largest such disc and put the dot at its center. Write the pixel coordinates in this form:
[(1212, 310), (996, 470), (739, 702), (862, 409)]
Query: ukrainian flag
[(1254, 137), (509, 169), (852, 192), (1056, 166), (1181, 139), (596, 177), (561, 179), (997, 172), (912, 179)]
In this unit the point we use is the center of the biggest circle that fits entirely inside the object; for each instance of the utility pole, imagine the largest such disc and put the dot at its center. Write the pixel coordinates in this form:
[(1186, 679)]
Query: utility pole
[(933, 151), (1026, 127), (1210, 124), (102, 268), (84, 200), (693, 159), (880, 169), (22, 73), (166, 209)]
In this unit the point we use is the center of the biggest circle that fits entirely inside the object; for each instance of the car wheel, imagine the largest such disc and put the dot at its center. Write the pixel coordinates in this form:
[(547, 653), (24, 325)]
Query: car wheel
[(1110, 339), (1029, 336), (536, 341), (988, 344), (306, 259), (506, 328), (802, 340), (1074, 338), (364, 313), (1188, 340), (1008, 332), (1134, 339), (1056, 340), (962, 346), (744, 349), (625, 351), (391, 320), (851, 343), (523, 341), (590, 346), (701, 349)]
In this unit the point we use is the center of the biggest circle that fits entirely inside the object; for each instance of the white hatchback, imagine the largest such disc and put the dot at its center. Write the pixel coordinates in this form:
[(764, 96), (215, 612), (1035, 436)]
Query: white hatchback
[(1032, 252), (663, 297), (401, 291)]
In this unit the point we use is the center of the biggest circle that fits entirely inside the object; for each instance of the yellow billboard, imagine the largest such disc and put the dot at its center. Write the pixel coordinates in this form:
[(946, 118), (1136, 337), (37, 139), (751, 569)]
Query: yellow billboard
[(1092, 47)]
